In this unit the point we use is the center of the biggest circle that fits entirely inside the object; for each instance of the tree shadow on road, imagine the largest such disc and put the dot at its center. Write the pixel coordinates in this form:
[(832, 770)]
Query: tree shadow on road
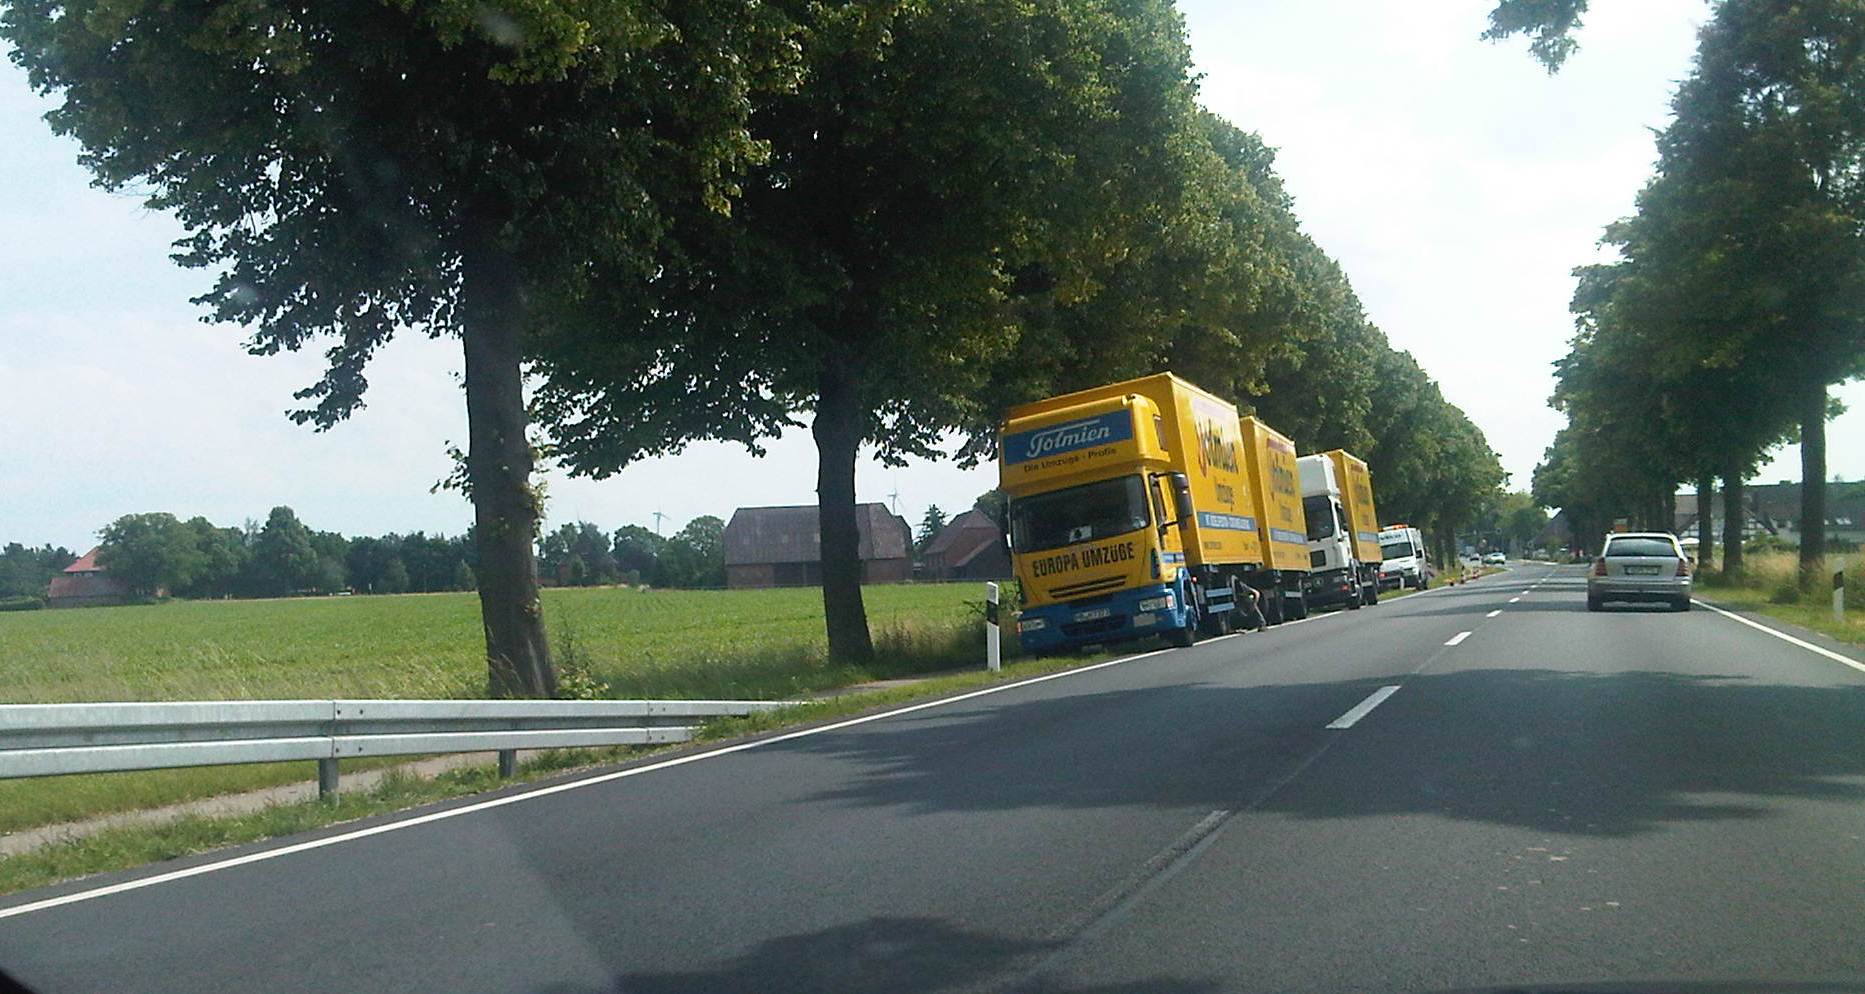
[(899, 955), (1605, 755)]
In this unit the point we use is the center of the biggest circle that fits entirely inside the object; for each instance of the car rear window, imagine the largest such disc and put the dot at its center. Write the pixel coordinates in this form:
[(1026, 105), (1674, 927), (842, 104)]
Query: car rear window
[(1640, 547)]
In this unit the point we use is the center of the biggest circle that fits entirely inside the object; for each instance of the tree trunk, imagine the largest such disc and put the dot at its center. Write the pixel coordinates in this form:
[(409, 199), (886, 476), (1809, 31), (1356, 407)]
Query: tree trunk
[(498, 465), (1706, 527), (839, 427), (1812, 486), (1733, 515)]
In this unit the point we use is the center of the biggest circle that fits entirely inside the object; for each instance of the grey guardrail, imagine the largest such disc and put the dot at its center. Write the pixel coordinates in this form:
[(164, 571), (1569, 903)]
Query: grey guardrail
[(55, 739)]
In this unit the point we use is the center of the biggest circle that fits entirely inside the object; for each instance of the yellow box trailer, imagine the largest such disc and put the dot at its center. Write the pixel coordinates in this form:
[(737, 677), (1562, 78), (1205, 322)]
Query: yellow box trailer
[(1131, 514), (1275, 481)]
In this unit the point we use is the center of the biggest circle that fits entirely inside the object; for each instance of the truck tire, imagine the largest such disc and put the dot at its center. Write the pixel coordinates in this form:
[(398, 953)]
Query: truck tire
[(1273, 605), (1301, 607), (1372, 593), (1185, 637), (1353, 600)]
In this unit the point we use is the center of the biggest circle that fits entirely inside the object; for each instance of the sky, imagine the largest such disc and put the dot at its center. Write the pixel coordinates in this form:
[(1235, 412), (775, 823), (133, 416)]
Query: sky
[(1455, 180)]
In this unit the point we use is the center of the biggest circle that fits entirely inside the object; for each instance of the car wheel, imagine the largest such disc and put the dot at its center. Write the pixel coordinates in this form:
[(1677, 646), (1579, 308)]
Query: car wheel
[(1681, 604), (1595, 604)]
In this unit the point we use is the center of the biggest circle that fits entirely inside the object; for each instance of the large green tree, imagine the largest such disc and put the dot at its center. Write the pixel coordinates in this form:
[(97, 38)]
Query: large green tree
[(153, 553), (941, 166), (695, 556), (458, 167)]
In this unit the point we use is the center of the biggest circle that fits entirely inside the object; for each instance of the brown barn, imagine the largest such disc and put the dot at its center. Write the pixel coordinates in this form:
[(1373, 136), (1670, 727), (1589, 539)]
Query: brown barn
[(85, 584), (969, 547), (782, 546)]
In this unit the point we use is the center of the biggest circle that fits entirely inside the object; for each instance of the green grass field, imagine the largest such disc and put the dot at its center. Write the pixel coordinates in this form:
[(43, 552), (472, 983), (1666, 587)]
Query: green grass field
[(652, 643), (760, 644)]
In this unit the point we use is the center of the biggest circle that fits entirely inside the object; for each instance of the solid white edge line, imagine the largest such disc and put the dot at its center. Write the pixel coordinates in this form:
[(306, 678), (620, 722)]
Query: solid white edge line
[(527, 795), (1363, 708), (394, 826), (1457, 638), (1494, 613), (1783, 636)]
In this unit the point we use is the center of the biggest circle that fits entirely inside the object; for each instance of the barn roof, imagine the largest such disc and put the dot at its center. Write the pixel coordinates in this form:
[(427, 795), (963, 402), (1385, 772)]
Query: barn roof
[(86, 563), (963, 535), (792, 534)]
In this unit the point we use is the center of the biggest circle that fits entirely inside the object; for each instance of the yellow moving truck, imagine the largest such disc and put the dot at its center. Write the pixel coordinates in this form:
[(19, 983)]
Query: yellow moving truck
[(1275, 482), (1343, 530), (1131, 514)]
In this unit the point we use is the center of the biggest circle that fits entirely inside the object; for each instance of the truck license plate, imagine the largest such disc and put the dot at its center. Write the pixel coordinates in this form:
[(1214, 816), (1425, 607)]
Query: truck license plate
[(1094, 615)]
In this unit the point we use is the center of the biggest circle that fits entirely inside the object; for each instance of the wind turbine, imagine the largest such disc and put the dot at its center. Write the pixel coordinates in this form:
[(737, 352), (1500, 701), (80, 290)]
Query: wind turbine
[(657, 523)]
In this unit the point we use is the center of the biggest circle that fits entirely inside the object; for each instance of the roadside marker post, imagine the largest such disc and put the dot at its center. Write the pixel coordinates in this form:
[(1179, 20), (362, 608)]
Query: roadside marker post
[(992, 654), (1839, 593)]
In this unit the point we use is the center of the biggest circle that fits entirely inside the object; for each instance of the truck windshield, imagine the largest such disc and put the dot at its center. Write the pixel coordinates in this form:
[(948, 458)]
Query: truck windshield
[(1320, 514), (1078, 514), (1395, 550)]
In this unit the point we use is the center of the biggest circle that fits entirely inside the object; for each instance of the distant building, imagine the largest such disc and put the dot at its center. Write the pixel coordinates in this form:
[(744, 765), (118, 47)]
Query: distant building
[(969, 547), (782, 546), (86, 584), (1774, 509)]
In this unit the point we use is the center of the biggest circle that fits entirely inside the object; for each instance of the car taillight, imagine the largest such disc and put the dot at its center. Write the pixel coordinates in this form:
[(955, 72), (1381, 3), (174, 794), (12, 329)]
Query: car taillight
[(1599, 566), (1683, 567)]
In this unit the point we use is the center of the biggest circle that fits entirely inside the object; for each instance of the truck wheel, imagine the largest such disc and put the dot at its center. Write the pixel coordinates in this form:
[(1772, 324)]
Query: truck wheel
[(1186, 636), (1372, 593), (1273, 606), (1353, 600), (1301, 607)]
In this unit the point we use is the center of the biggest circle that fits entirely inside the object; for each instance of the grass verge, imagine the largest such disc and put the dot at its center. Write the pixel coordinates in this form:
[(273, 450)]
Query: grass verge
[(1768, 585), (124, 848)]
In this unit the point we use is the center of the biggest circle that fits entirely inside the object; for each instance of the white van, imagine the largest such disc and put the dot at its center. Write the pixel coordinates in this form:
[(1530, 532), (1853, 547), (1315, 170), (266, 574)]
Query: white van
[(1402, 549)]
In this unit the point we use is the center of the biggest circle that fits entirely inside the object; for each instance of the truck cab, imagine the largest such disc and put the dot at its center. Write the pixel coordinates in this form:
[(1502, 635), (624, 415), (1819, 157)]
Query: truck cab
[(1342, 553)]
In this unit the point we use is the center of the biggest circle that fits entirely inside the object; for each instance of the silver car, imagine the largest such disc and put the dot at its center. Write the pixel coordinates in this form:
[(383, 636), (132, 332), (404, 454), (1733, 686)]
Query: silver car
[(1640, 566)]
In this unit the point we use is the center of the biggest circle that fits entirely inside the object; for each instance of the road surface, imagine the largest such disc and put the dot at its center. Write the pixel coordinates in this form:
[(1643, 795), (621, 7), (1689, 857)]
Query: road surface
[(1549, 797)]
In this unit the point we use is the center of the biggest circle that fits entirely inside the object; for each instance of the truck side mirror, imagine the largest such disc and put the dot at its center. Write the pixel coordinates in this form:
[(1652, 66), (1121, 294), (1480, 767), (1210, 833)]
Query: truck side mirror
[(1182, 496)]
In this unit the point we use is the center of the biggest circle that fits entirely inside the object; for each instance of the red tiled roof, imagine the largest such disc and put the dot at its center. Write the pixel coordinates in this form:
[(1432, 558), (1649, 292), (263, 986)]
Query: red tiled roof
[(86, 563)]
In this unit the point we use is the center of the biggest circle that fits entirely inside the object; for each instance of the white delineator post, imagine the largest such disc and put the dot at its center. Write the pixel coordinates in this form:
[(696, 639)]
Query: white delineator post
[(1839, 593), (992, 654)]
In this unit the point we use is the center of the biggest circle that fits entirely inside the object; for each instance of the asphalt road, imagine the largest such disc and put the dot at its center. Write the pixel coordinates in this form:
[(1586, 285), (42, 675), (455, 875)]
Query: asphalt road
[(1558, 798)]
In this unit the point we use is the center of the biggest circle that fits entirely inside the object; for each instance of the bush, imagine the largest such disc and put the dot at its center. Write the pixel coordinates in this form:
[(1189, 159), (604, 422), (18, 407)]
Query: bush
[(22, 602)]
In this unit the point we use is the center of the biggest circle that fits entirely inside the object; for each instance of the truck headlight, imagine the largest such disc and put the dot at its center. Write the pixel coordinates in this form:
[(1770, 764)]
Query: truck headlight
[(1155, 603), (1031, 625)]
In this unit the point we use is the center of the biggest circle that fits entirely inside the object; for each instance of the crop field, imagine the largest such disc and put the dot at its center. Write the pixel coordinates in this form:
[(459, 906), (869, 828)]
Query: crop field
[(763, 644), (643, 643)]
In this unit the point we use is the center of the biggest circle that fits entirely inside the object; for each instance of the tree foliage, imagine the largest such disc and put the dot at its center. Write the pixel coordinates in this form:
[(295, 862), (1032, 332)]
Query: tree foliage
[(457, 167), (1740, 294)]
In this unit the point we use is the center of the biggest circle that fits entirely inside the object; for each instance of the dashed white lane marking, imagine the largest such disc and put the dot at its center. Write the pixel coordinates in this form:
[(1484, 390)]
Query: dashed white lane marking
[(1459, 637), (1364, 708), (1514, 600), (1783, 636), (1494, 613)]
